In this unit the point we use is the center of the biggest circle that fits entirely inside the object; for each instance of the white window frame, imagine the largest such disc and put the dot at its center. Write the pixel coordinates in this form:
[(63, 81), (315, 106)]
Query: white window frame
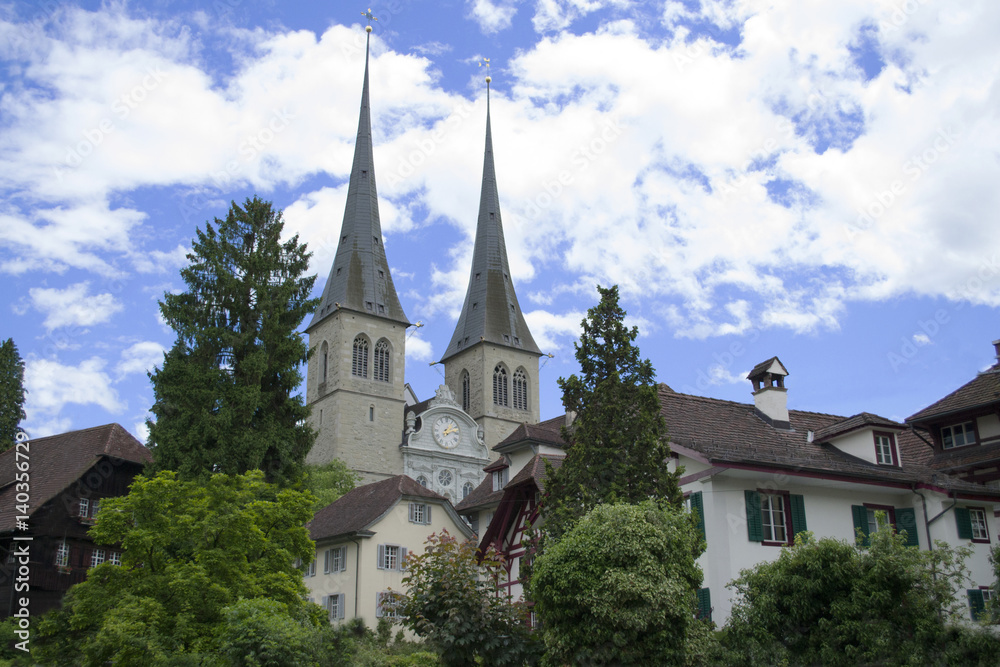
[(380, 608), (968, 435), (335, 607), (500, 479), (773, 518), (62, 555), (390, 557), (420, 513), (334, 560), (84, 508), (97, 556), (115, 558), (885, 449), (980, 529)]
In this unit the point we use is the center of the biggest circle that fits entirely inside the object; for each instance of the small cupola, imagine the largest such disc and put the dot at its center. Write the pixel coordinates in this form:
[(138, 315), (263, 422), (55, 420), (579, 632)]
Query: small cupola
[(770, 397), (996, 348)]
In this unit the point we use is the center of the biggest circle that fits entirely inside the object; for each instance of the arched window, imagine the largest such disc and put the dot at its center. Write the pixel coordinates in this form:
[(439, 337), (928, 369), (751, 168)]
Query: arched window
[(520, 390), (465, 390), (380, 365), (500, 396), (359, 362), (422, 481), (466, 490), (324, 355)]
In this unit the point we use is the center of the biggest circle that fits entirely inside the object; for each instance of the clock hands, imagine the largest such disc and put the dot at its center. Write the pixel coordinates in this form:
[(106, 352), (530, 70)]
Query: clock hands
[(451, 429)]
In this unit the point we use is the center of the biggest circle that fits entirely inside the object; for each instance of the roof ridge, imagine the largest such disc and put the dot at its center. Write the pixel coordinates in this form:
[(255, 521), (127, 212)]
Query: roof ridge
[(709, 399)]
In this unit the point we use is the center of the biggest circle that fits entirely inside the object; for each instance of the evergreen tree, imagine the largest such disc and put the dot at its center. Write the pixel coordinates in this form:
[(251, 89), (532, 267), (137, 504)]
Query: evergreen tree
[(223, 397), (617, 449), (11, 393)]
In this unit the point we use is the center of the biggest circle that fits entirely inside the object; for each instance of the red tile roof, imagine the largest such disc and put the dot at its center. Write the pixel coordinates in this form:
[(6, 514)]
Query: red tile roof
[(360, 507), (57, 461), (547, 432), (982, 391)]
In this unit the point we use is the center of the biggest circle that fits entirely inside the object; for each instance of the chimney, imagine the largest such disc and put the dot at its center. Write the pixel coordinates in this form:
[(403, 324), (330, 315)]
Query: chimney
[(996, 348), (770, 398)]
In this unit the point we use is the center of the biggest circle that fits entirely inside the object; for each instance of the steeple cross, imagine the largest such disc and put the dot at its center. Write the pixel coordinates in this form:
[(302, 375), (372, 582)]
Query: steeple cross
[(368, 15)]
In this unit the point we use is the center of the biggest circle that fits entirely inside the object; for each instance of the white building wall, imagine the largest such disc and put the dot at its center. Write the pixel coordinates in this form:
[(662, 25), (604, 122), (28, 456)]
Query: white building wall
[(828, 514)]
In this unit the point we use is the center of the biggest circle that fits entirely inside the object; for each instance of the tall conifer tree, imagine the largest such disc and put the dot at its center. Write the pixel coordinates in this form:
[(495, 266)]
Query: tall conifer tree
[(617, 445), (11, 393), (223, 397)]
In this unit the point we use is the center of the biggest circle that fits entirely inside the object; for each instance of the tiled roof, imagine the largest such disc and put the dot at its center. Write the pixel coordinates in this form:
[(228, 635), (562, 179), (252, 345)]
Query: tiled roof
[(852, 423), (983, 390), (360, 507), (534, 471), (59, 460), (726, 432), (482, 496), (548, 432), (763, 366)]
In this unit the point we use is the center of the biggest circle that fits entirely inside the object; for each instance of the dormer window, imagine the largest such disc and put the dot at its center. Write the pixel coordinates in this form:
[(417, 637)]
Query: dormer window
[(958, 435), (885, 449), (499, 479)]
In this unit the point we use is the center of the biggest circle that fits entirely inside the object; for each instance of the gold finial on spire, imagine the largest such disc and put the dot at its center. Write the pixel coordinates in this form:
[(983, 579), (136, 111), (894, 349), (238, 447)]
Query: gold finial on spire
[(371, 17), (487, 62)]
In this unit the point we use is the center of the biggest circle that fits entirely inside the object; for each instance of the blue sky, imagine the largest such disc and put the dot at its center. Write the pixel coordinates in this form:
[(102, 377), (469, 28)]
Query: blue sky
[(815, 181)]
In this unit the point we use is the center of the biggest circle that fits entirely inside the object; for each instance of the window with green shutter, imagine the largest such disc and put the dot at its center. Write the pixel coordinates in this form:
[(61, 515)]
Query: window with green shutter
[(906, 520), (704, 604), (798, 507), (860, 514), (697, 504), (977, 602), (755, 529), (964, 521)]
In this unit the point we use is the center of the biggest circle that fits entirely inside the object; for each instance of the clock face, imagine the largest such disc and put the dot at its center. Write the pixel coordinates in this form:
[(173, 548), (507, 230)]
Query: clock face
[(446, 432)]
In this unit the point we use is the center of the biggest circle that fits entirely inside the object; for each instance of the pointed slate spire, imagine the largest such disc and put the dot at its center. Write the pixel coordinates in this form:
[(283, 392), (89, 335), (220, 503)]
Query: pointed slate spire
[(491, 313), (359, 279)]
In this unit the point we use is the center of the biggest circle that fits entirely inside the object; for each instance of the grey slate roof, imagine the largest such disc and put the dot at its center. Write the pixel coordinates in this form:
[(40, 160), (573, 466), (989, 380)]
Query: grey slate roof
[(359, 279), (860, 420), (490, 313)]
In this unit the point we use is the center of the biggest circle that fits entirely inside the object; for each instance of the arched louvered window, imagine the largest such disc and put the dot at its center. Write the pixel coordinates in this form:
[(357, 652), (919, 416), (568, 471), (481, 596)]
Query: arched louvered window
[(359, 361), (500, 395), (380, 365), (520, 390), (324, 356), (466, 490), (466, 390)]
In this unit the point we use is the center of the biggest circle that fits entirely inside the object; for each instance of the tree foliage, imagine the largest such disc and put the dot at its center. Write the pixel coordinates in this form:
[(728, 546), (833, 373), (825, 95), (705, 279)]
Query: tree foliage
[(190, 554), (834, 603), (455, 602), (223, 397), (617, 447), (329, 481), (620, 587), (11, 393)]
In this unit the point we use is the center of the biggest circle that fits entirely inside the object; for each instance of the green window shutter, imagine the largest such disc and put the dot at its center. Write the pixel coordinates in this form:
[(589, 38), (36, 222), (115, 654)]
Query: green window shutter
[(798, 504), (698, 506), (977, 605), (755, 527), (860, 513), (705, 604), (906, 519), (964, 520)]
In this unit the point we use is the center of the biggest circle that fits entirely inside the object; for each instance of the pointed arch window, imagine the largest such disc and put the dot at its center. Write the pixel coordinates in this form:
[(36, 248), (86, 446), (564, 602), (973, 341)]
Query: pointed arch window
[(359, 361), (466, 390), (500, 393), (520, 390), (380, 365), (324, 356)]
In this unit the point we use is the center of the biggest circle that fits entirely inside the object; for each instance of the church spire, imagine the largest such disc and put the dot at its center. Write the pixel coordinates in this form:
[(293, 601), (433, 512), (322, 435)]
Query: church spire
[(491, 312), (359, 279)]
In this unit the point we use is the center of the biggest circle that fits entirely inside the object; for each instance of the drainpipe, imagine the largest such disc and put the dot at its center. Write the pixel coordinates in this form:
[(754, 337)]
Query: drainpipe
[(927, 523), (357, 575)]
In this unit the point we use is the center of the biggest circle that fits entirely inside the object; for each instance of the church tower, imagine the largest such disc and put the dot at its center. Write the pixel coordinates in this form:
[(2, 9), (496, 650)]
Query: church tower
[(355, 381), (492, 361)]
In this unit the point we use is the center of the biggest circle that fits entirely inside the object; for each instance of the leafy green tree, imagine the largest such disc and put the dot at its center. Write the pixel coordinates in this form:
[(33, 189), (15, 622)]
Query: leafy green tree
[(190, 554), (620, 587), (329, 481), (261, 633), (455, 602), (11, 393), (223, 397), (617, 449), (835, 603)]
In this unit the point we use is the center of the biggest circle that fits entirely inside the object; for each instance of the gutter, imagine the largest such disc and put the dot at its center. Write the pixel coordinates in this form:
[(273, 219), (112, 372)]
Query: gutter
[(929, 521), (357, 572)]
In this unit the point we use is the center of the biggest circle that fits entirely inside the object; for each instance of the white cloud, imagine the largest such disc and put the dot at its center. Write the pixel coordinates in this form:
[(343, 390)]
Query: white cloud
[(921, 339), (72, 307), (51, 386), (140, 358), (492, 17), (141, 431), (554, 332), (419, 349)]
